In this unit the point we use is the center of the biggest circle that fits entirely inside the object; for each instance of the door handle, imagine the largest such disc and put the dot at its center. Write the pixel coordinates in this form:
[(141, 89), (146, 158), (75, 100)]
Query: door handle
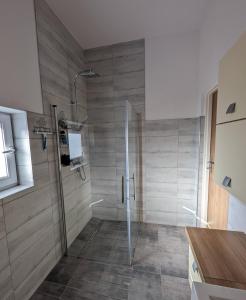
[(134, 187), (122, 190), (10, 150), (210, 165)]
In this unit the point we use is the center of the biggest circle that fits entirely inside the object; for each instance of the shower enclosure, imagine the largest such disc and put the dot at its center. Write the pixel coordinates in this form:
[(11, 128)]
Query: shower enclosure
[(131, 179), (115, 155)]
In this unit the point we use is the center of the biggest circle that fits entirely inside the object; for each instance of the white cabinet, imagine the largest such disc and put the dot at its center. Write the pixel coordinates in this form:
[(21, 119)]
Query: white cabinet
[(232, 83), (230, 157), (194, 275)]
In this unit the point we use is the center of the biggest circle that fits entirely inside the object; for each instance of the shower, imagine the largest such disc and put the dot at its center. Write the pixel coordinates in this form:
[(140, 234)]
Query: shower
[(87, 73)]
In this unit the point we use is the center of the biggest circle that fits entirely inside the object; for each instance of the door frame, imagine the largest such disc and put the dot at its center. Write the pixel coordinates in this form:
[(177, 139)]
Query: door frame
[(207, 144)]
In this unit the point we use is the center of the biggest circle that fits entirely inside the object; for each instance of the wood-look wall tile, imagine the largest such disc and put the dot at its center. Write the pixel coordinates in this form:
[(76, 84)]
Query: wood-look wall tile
[(161, 174), (189, 126), (187, 175), (29, 233), (34, 279), (128, 48), (129, 81), (102, 159), (129, 63), (101, 87), (160, 144), (6, 284), (105, 173), (4, 257), (102, 67), (166, 218), (153, 189), (162, 160), (163, 204), (104, 187), (97, 54), (27, 262), (188, 144), (19, 211), (160, 128), (2, 223)]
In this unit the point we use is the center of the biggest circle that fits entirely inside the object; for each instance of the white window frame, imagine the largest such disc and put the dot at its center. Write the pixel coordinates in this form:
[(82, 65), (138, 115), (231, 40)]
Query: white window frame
[(11, 179)]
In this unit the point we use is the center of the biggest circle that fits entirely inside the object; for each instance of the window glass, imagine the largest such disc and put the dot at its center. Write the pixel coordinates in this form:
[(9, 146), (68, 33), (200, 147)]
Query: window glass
[(8, 176), (3, 160)]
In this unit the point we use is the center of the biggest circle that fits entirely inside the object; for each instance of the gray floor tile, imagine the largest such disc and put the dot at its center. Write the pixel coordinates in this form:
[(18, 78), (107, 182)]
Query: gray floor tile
[(145, 286), (175, 288), (76, 247), (38, 296), (74, 294), (63, 271), (174, 264), (49, 288), (97, 266), (101, 288), (95, 271)]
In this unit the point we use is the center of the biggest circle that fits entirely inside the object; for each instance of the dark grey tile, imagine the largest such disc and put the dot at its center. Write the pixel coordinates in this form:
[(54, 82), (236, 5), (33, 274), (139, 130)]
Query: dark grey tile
[(113, 234), (96, 271), (147, 258), (76, 247), (63, 271), (74, 294), (102, 271), (169, 244), (148, 233), (145, 286), (49, 288), (174, 264), (175, 288), (37, 296), (89, 231), (101, 288), (172, 231)]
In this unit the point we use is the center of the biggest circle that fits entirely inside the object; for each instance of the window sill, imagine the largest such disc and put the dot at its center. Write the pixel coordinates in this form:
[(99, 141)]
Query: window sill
[(14, 192)]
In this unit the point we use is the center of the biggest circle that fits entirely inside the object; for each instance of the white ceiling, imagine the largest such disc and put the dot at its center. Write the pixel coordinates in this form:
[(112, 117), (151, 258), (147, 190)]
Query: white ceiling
[(102, 22)]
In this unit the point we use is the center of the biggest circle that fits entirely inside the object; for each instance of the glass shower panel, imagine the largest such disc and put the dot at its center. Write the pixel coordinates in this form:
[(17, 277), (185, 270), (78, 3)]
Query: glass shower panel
[(131, 177)]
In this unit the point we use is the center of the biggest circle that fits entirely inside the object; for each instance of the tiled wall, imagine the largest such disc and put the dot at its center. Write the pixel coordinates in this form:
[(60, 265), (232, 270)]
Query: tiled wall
[(171, 159), (30, 220), (121, 68), (170, 148)]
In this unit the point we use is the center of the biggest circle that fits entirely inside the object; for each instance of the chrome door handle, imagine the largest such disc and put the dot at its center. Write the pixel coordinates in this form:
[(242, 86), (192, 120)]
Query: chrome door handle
[(134, 187), (10, 150), (122, 190)]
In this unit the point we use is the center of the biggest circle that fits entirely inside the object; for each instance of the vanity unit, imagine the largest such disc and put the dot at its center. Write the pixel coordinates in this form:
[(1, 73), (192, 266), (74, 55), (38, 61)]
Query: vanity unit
[(217, 257), (204, 291), (230, 153)]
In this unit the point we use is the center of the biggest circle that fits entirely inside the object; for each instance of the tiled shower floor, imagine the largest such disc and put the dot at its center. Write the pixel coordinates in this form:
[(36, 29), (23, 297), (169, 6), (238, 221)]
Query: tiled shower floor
[(96, 267)]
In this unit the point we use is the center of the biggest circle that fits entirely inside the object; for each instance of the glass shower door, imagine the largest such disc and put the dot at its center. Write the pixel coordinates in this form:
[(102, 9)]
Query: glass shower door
[(131, 176)]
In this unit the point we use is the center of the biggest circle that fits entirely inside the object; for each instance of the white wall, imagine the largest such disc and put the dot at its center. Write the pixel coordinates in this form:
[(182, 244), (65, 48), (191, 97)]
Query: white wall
[(172, 76), (19, 70)]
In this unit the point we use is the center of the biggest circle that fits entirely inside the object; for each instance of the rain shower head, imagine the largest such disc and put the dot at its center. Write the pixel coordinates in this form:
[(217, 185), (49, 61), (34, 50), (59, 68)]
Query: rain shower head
[(88, 73)]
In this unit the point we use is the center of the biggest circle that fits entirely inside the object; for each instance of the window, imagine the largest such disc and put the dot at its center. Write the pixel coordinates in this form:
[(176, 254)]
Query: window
[(8, 176)]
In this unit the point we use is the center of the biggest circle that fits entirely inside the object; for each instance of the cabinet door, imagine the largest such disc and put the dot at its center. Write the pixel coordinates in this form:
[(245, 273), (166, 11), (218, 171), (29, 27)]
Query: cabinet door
[(232, 83), (230, 157)]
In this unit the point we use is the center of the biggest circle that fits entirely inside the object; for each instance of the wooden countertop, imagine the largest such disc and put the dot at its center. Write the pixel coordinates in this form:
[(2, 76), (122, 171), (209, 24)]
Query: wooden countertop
[(220, 256)]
